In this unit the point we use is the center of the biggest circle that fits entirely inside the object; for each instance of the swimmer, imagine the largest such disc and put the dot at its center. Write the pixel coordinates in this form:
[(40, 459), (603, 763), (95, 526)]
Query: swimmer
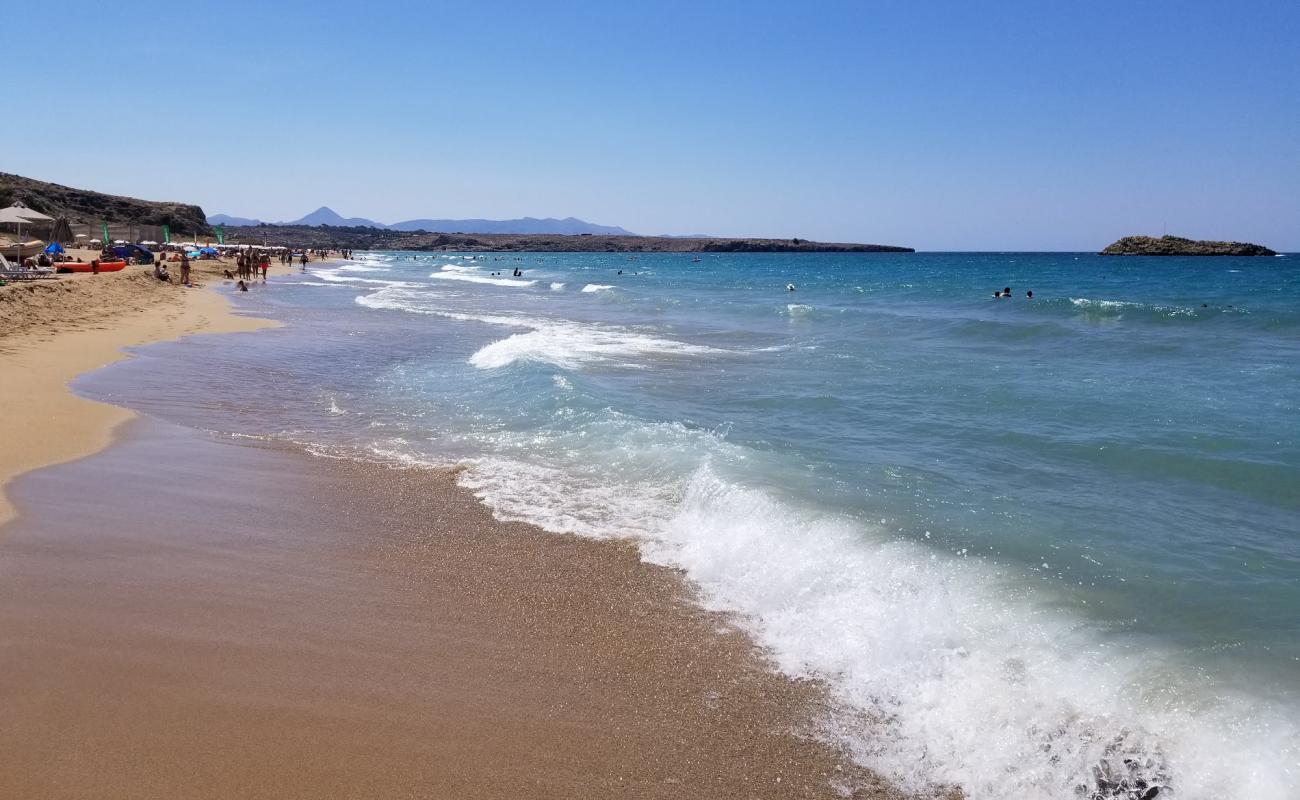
[(242, 286), (1029, 295), (789, 287)]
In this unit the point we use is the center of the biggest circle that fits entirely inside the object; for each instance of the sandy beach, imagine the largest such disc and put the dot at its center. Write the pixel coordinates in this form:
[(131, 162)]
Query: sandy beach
[(227, 620), (52, 331)]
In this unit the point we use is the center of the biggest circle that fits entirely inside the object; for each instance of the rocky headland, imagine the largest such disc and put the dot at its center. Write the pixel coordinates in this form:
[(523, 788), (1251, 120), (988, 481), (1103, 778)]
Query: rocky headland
[(1178, 246), (86, 206)]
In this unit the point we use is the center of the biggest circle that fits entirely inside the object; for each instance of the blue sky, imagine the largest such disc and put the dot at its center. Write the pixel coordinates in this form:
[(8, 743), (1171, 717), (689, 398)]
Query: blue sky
[(955, 125)]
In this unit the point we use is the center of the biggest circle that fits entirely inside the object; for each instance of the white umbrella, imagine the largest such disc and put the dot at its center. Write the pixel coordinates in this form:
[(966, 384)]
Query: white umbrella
[(27, 214), (148, 242), (82, 236), (13, 216)]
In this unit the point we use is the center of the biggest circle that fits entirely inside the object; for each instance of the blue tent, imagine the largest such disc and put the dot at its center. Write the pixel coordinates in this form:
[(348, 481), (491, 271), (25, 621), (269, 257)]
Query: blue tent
[(53, 247), (212, 251)]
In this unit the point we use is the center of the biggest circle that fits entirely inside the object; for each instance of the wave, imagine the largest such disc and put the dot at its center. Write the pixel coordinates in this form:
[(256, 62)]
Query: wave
[(462, 276), (555, 287), (1128, 309), (333, 276), (571, 346), (944, 673), (596, 287)]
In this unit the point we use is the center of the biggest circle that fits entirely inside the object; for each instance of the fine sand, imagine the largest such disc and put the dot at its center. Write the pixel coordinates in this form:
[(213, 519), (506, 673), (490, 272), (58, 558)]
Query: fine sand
[(226, 620), (53, 330)]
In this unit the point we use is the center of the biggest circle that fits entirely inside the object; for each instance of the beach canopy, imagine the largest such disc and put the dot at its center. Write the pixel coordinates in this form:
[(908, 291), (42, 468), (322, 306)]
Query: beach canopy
[(148, 242), (12, 216), (82, 236), (28, 214), (211, 251), (53, 247)]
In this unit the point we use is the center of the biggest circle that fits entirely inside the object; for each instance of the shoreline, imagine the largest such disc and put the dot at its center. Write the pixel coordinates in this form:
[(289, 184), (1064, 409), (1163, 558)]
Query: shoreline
[(55, 331), (220, 617)]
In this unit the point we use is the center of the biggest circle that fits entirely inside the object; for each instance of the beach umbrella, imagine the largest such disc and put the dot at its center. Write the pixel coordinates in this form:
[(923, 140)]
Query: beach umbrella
[(62, 231), (82, 236), (28, 214), (53, 247), (13, 216)]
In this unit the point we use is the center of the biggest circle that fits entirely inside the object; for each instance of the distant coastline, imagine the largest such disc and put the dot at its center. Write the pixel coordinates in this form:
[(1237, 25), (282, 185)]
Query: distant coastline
[(365, 238)]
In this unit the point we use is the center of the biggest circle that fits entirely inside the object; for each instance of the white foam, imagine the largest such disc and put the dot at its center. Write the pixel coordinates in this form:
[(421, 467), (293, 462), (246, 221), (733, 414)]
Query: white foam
[(555, 287), (332, 275), (570, 345), (596, 287), (484, 279), (965, 681)]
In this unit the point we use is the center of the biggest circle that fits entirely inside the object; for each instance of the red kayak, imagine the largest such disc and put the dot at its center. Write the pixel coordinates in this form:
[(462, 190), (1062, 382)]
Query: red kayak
[(81, 266)]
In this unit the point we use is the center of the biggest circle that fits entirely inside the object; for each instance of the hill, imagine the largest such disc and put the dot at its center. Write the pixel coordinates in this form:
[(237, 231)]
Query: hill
[(226, 219), (570, 226), (86, 206), (327, 216), (1178, 246)]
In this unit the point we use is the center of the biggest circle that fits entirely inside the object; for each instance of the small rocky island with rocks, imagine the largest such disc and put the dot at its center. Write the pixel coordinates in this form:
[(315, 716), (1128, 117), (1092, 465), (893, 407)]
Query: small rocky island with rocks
[(1178, 246)]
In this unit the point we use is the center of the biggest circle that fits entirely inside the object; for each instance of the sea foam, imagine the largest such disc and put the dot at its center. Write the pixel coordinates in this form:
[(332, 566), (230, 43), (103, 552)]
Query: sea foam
[(944, 673)]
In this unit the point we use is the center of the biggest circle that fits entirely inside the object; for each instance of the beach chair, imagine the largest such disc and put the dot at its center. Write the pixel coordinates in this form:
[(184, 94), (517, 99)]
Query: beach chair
[(9, 272)]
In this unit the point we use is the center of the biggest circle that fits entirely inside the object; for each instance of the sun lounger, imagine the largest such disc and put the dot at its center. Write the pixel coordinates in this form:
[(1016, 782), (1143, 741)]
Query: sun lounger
[(9, 272)]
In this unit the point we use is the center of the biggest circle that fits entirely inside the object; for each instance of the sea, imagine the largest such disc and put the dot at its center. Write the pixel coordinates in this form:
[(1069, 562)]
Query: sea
[(1035, 548)]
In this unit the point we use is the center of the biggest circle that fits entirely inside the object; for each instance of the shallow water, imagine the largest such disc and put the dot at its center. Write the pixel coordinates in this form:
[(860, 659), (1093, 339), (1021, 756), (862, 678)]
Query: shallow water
[(1035, 538)]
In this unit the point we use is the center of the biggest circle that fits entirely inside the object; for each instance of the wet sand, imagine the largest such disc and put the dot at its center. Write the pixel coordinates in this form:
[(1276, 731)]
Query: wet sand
[(53, 330), (187, 617)]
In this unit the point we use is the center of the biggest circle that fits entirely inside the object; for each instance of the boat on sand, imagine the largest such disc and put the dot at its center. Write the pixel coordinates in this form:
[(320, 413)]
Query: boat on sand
[(82, 266)]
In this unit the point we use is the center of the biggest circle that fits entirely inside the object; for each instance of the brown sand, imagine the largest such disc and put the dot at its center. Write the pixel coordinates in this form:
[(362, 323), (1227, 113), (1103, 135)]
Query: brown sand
[(200, 619), (53, 330)]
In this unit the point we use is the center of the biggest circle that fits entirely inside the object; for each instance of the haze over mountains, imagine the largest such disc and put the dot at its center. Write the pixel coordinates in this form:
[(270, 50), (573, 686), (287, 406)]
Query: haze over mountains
[(327, 216)]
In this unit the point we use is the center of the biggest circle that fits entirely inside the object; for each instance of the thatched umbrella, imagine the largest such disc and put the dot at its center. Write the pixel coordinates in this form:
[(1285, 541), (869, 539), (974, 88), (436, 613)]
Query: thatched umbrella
[(62, 231)]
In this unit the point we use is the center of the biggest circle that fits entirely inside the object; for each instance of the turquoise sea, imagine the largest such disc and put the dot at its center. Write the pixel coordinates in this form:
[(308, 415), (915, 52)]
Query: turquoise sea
[(1050, 547)]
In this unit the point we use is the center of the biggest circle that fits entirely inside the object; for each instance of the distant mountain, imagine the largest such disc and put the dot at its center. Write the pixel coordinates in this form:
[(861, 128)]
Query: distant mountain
[(226, 219), (569, 226), (327, 216)]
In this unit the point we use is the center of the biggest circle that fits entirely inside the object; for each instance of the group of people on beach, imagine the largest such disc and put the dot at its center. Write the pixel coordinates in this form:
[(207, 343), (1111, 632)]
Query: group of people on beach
[(248, 263)]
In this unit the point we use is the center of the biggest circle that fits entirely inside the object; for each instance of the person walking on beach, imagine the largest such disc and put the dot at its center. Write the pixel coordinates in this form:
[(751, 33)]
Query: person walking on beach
[(266, 265), (185, 269), (304, 260)]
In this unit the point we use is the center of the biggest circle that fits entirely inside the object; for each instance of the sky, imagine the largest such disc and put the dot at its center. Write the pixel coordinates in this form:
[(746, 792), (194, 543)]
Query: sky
[(1010, 125)]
